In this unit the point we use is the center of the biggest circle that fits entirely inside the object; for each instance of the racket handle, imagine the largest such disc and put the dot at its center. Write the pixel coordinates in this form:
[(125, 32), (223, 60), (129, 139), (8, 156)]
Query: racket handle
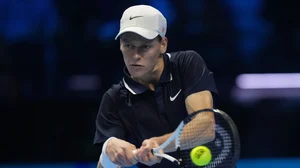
[(134, 154)]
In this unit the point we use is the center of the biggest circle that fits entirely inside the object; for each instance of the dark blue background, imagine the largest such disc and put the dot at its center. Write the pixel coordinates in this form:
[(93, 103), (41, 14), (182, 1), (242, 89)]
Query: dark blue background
[(57, 58)]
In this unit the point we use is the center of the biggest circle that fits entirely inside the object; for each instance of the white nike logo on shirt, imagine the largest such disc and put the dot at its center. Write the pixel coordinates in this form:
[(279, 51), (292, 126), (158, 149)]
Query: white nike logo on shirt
[(173, 98)]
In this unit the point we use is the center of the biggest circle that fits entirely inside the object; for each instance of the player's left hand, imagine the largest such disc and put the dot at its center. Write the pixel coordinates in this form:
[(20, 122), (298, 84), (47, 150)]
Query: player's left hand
[(144, 154)]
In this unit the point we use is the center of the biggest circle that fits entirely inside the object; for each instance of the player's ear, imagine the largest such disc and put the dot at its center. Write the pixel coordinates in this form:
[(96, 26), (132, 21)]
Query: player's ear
[(163, 45)]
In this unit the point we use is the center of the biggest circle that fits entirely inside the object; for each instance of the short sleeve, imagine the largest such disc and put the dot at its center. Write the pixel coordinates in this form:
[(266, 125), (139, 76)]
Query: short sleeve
[(196, 76), (108, 122)]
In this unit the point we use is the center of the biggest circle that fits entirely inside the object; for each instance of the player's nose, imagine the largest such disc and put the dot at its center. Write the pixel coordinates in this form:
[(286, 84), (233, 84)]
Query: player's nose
[(137, 55)]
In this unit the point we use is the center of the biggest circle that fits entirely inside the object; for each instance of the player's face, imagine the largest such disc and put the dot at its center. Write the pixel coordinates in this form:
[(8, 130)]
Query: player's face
[(142, 57)]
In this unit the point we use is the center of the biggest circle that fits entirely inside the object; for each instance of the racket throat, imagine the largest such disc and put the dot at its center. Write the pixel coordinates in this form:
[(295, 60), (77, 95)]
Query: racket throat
[(180, 161)]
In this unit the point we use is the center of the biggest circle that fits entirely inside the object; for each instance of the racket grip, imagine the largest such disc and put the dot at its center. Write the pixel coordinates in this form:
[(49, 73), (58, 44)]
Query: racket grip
[(134, 154)]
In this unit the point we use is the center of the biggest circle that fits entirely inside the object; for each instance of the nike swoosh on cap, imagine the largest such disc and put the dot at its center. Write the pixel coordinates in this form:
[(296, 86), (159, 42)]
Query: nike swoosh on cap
[(130, 18)]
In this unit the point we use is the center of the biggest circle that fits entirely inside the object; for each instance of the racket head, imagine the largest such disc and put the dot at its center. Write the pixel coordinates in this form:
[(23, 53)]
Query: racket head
[(225, 148)]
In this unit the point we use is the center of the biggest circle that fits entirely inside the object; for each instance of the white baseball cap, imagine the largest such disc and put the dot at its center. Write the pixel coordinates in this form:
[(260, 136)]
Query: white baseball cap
[(143, 20)]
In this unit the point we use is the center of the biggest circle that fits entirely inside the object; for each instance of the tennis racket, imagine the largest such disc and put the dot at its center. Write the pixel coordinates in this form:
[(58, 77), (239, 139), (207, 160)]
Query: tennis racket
[(225, 148)]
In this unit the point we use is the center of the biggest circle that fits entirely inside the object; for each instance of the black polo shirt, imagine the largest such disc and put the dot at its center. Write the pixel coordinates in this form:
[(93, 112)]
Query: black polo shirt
[(132, 112)]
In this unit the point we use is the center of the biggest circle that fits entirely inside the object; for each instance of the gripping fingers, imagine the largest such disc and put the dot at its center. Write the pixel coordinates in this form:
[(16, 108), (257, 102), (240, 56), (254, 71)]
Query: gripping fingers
[(121, 160), (149, 159)]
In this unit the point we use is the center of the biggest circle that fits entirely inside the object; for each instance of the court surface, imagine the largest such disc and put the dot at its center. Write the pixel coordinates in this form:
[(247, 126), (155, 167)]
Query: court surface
[(243, 163)]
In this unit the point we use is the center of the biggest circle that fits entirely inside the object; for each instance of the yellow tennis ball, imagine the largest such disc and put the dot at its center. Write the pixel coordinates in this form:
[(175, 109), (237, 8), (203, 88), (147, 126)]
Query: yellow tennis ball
[(201, 155)]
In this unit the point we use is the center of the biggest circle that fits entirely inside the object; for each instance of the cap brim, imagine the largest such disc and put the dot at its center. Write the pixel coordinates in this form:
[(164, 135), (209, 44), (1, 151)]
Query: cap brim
[(148, 34)]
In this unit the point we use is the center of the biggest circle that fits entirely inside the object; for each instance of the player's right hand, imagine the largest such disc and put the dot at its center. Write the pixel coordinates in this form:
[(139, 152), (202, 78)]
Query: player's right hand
[(144, 154), (120, 152)]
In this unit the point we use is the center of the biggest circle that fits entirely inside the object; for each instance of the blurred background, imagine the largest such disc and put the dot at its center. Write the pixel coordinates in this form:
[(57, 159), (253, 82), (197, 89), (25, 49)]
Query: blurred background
[(58, 57)]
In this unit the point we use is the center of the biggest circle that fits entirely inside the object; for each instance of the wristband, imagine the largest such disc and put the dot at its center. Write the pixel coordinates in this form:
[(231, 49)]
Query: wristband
[(104, 159)]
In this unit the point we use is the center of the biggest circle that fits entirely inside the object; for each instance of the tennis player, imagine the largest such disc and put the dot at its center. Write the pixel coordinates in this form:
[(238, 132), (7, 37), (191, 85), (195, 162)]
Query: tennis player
[(158, 90)]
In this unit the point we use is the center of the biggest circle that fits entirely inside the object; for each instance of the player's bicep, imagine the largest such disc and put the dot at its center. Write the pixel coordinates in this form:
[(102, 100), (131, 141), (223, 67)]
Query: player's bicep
[(199, 100)]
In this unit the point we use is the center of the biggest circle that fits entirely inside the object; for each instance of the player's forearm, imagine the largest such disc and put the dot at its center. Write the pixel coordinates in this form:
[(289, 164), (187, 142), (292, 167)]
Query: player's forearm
[(204, 123), (205, 132), (201, 130)]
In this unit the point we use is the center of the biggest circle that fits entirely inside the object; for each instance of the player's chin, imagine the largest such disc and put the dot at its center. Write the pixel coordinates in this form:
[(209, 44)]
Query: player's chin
[(137, 75)]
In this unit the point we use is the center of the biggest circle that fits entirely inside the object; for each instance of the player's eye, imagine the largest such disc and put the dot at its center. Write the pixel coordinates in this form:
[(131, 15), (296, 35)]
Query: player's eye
[(146, 46), (128, 46)]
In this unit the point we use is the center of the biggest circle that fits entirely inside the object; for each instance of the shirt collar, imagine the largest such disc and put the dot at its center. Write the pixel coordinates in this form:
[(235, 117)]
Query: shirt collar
[(137, 88)]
